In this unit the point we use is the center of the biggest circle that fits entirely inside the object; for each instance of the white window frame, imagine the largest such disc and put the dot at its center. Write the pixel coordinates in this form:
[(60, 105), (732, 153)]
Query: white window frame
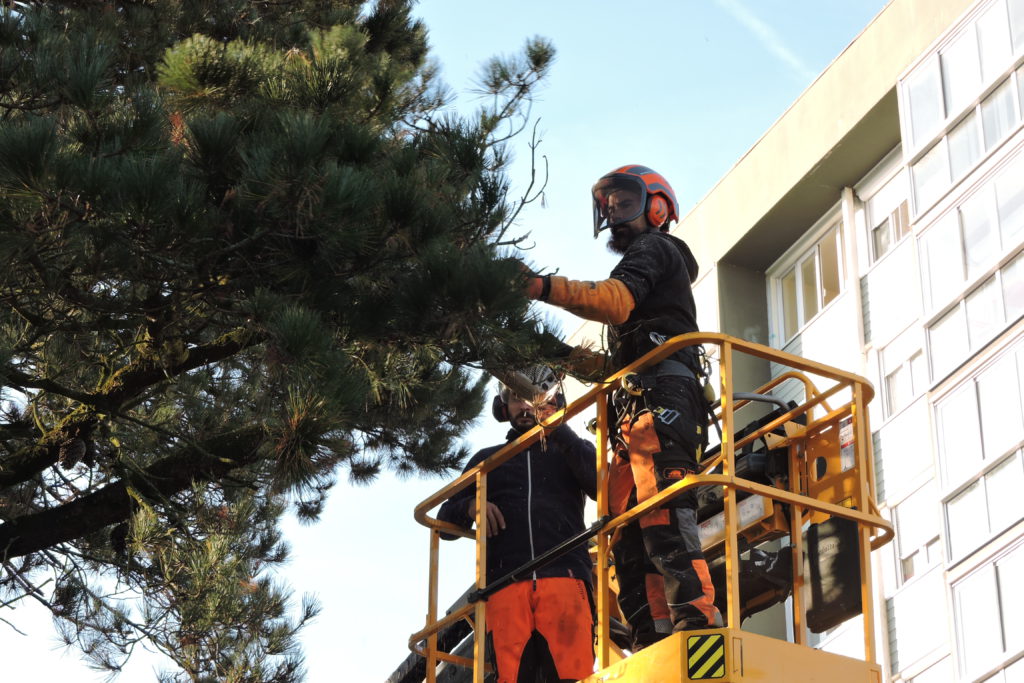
[(802, 250), (884, 172), (919, 146), (956, 579)]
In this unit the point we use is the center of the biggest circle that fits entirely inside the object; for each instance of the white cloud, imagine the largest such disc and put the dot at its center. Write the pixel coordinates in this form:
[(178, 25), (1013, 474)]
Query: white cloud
[(767, 36)]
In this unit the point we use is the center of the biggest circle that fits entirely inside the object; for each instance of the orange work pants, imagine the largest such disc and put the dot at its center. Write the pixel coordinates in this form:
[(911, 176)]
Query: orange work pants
[(544, 624)]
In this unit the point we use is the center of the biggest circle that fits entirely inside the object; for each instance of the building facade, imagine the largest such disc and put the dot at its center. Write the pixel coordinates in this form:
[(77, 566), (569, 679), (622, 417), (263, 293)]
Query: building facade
[(878, 226)]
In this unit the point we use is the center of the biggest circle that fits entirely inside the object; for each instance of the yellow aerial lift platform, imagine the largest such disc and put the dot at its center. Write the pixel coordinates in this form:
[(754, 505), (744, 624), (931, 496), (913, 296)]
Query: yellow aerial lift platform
[(813, 483)]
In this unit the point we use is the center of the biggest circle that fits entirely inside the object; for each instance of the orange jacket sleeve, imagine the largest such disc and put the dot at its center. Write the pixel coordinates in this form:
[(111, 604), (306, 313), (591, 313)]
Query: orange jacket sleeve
[(608, 301)]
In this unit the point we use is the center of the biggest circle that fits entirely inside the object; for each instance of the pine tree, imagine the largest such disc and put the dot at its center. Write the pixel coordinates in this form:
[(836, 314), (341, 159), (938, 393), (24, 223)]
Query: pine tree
[(247, 249)]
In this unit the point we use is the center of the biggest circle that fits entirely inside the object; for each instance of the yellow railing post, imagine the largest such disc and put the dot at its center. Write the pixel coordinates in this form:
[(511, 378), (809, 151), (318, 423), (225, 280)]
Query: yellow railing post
[(603, 540), (732, 555), (861, 442), (796, 539), (480, 609), (435, 541)]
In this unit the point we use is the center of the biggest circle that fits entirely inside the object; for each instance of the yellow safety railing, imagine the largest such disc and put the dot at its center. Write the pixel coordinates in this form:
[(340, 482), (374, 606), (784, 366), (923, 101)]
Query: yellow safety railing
[(873, 530)]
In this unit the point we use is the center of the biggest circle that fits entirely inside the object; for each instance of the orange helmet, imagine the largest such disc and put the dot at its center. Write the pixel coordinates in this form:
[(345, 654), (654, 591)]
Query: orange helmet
[(646, 193)]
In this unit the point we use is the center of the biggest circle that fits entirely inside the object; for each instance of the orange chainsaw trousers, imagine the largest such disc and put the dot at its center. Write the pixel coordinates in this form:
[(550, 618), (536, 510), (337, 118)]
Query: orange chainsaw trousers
[(539, 627)]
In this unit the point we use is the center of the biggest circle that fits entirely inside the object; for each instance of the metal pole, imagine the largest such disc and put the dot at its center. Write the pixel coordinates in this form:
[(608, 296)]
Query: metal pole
[(603, 587), (861, 438), (732, 553), (480, 610), (797, 485), (435, 542)]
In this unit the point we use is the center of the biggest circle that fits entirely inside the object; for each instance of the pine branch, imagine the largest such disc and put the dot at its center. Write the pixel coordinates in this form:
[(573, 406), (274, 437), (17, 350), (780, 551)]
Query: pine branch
[(114, 503)]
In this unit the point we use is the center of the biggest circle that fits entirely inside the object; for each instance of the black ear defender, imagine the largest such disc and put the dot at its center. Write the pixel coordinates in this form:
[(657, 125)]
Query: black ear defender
[(499, 410)]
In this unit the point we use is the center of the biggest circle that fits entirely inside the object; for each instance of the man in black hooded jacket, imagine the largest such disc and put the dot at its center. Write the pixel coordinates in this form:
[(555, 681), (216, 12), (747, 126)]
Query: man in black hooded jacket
[(540, 629), (663, 578)]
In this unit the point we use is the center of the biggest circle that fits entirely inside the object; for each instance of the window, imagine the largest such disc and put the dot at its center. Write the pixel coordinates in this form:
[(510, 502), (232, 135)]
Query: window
[(981, 236), (1009, 570), (1003, 485), (915, 610), (967, 517), (940, 98), (995, 392), (931, 176), (995, 303), (998, 114), (1012, 277), (964, 146), (904, 449), (966, 243), (889, 230), (1020, 87), (904, 371), (987, 616), (961, 71), (814, 282), (917, 531), (948, 342), (988, 506), (959, 434), (1000, 403), (1017, 24), (994, 41), (984, 314), (924, 95), (789, 305), (980, 429), (1010, 202), (887, 212), (976, 602), (943, 259)]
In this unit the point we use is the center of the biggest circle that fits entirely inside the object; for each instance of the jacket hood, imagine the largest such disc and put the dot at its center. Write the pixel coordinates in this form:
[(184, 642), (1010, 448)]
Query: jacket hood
[(692, 268)]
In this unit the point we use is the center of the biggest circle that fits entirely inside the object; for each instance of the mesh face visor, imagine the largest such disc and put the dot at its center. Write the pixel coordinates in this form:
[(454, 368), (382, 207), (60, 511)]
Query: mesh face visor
[(534, 386), (618, 198)]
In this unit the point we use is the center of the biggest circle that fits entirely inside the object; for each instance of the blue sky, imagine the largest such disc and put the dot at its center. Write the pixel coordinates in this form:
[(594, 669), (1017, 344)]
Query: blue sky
[(683, 86)]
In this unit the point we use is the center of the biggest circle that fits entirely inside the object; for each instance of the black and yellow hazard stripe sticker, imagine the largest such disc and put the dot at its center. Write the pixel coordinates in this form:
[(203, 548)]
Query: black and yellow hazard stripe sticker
[(705, 657)]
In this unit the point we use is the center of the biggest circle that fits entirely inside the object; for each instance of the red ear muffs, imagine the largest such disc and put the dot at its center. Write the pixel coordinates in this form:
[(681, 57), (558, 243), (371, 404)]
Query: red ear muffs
[(657, 211), (498, 409)]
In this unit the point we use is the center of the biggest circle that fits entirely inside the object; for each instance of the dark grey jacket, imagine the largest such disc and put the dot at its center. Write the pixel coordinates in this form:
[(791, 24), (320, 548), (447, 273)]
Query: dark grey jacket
[(540, 493)]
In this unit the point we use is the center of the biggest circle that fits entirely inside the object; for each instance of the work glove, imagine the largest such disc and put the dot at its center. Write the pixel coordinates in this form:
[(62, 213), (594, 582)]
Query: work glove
[(537, 285), (587, 365)]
